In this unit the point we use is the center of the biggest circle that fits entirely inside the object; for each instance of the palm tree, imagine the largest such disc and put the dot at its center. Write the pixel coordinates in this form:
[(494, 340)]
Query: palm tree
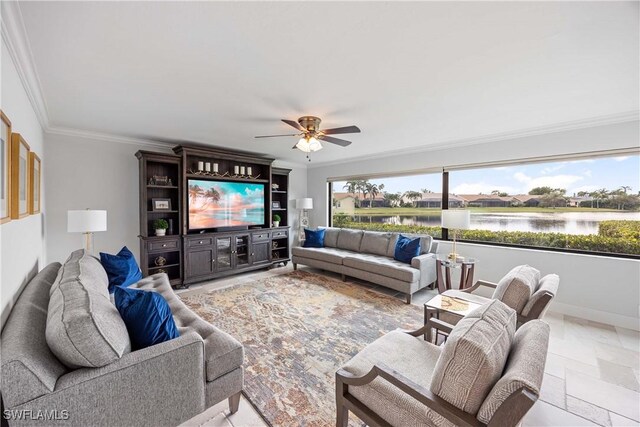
[(413, 196), (625, 188), (194, 192), (598, 195), (392, 199), (373, 190), (425, 191)]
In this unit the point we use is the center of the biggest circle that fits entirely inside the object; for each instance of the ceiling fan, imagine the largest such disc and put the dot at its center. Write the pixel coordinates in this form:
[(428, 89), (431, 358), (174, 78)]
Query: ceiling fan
[(311, 135)]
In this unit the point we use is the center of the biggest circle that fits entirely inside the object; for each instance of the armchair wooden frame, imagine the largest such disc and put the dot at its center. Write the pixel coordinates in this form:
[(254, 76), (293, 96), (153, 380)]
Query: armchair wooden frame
[(534, 313), (509, 413)]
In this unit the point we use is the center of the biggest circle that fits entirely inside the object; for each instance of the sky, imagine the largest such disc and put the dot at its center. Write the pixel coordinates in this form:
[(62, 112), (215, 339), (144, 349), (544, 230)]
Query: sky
[(574, 176)]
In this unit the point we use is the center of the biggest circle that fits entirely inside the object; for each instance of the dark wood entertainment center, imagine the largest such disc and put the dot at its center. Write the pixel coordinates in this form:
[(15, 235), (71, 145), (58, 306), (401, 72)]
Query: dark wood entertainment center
[(190, 256)]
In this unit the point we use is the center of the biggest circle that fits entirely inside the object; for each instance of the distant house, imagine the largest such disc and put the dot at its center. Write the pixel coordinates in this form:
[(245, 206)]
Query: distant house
[(377, 202), (486, 200), (344, 203), (434, 200), (527, 200), (574, 202)]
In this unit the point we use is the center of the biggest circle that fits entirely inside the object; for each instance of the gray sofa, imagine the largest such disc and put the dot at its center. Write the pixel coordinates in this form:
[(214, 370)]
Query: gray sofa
[(368, 255), (161, 385)]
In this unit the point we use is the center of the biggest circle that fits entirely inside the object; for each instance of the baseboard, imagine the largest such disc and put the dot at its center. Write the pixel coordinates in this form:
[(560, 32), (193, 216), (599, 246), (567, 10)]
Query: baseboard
[(596, 315)]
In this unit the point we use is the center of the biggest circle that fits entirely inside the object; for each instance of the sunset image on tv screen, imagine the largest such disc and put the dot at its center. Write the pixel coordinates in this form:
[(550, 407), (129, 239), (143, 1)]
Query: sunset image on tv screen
[(216, 204)]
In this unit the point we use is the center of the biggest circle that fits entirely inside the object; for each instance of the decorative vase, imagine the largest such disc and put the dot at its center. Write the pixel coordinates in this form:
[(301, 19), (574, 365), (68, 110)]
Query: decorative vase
[(276, 223), (161, 232)]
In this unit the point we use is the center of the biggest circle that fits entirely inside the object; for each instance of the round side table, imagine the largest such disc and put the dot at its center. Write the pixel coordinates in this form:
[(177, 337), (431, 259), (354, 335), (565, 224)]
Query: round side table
[(466, 267)]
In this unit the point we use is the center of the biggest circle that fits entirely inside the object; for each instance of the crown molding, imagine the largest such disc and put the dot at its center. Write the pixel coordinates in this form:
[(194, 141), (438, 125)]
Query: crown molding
[(14, 35), (610, 119), (107, 137)]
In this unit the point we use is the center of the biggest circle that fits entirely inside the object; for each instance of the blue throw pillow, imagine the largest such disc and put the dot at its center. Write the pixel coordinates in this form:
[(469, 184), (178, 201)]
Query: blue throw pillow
[(121, 268), (147, 316), (314, 238), (406, 249)]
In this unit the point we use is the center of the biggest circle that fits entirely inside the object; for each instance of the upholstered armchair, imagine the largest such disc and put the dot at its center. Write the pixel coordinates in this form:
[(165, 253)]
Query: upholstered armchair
[(485, 374), (521, 289)]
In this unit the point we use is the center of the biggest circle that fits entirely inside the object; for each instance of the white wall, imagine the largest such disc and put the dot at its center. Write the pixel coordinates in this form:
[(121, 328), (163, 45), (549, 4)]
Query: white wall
[(96, 174), (589, 284), (22, 248), (103, 174)]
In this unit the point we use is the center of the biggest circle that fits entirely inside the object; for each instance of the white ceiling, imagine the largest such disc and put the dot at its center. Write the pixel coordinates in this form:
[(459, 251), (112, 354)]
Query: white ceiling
[(408, 74)]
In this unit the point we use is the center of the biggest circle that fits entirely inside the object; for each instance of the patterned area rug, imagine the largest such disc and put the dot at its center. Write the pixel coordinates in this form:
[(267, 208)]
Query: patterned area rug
[(298, 329)]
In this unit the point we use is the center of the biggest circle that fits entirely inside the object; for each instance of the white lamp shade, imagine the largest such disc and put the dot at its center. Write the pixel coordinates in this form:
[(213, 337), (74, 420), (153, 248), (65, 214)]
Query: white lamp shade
[(86, 221), (306, 203), (456, 219)]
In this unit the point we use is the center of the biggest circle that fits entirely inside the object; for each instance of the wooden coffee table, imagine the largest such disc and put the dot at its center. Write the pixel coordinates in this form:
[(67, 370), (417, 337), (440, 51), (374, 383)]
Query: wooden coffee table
[(442, 303)]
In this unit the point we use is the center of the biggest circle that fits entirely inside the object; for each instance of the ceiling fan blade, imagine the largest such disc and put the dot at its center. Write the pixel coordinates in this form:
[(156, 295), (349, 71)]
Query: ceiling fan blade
[(274, 136), (346, 129), (340, 142), (294, 124)]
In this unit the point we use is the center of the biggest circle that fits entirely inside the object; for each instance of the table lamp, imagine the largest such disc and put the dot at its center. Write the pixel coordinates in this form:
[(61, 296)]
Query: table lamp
[(87, 222), (304, 205), (455, 219)]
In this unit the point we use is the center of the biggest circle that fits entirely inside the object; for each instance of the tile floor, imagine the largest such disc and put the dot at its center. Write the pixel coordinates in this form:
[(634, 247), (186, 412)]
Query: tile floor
[(592, 375)]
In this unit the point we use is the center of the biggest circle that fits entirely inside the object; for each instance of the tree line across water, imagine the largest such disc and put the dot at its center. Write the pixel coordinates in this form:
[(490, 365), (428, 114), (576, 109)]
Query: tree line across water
[(621, 198)]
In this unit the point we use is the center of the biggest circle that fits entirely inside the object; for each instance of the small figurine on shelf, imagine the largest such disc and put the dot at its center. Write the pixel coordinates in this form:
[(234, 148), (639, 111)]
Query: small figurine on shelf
[(151, 181), (160, 226), (276, 220), (160, 261)]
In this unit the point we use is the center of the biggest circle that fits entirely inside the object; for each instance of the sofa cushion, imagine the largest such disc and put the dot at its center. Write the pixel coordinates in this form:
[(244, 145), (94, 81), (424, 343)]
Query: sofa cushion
[(223, 353), (147, 315), (122, 268), (474, 356), (331, 237), (314, 238), (525, 367), (350, 239), (516, 287), (416, 362), (375, 243), (406, 249), (332, 255), (29, 368), (84, 329), (383, 266)]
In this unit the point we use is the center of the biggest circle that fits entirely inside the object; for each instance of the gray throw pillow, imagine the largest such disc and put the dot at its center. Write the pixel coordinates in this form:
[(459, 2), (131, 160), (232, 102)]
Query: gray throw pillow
[(517, 286), (84, 329), (474, 356), (350, 239)]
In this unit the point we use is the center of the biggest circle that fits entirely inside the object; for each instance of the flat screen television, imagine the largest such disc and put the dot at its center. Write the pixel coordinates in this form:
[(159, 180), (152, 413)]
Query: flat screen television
[(222, 204)]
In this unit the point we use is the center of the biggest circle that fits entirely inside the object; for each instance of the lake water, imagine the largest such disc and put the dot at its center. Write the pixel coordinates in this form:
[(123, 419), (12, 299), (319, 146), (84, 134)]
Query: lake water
[(560, 222)]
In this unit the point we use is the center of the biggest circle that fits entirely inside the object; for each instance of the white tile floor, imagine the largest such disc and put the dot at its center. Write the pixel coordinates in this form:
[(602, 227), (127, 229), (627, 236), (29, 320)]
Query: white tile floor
[(591, 377)]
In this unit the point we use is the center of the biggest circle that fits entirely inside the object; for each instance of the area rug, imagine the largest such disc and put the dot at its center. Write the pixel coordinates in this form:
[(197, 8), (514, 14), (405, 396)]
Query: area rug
[(298, 329)]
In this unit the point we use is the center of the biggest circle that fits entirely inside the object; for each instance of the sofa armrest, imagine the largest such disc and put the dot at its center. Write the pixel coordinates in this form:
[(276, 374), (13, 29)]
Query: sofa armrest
[(160, 385), (426, 263)]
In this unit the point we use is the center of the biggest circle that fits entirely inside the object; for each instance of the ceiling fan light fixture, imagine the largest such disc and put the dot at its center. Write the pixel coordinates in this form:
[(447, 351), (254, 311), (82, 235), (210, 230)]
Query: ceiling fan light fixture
[(314, 144), (303, 145)]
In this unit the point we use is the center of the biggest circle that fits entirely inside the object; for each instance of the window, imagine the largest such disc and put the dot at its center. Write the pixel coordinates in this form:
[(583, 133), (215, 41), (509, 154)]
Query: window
[(579, 205), (409, 204), (587, 204)]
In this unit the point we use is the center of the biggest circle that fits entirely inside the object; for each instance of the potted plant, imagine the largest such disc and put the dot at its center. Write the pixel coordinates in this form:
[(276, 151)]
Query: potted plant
[(160, 225), (276, 220)]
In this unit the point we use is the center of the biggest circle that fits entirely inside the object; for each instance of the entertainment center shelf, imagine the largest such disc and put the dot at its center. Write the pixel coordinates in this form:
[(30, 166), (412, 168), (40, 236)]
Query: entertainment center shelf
[(227, 213)]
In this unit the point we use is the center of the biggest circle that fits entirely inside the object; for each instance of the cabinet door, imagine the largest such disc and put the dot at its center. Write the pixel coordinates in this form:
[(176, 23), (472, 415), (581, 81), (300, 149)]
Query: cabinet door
[(223, 253), (260, 252), (200, 262), (241, 250)]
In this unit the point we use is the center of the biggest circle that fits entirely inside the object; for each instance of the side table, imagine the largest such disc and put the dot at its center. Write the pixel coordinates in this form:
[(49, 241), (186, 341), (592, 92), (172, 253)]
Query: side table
[(442, 303), (466, 266)]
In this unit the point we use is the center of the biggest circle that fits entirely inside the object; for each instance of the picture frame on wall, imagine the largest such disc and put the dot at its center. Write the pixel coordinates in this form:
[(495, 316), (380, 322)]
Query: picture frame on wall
[(5, 174), (161, 204), (35, 174), (20, 179)]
